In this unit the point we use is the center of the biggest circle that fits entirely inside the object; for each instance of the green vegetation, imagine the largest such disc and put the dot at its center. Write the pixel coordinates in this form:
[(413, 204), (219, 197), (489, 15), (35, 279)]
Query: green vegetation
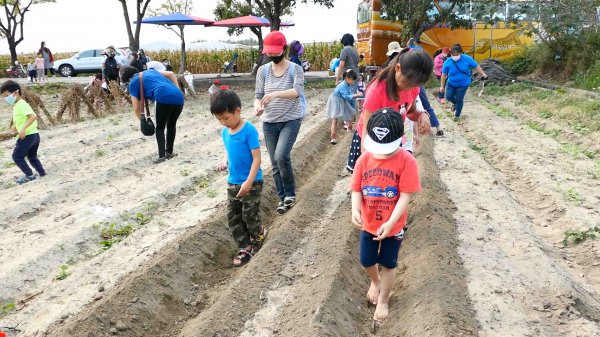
[(49, 88), (9, 164), (202, 182), (535, 126), (326, 84), (503, 112), (6, 308), (545, 113), (576, 151), (142, 219), (100, 153), (151, 206), (63, 273), (572, 195), (211, 192), (578, 236), (476, 148), (501, 90), (185, 172), (112, 234)]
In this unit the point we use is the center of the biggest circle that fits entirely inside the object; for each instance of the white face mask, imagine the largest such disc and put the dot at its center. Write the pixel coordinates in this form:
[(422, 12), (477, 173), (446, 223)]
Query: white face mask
[(456, 58)]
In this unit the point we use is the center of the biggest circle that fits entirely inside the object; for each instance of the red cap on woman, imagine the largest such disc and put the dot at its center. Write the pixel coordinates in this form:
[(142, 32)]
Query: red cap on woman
[(274, 43)]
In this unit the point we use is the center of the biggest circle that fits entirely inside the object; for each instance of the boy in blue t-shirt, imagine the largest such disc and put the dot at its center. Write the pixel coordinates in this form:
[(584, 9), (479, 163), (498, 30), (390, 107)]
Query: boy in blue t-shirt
[(245, 176)]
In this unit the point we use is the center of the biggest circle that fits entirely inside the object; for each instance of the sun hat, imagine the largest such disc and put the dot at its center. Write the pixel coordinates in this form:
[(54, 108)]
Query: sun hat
[(384, 131), (393, 47), (274, 43)]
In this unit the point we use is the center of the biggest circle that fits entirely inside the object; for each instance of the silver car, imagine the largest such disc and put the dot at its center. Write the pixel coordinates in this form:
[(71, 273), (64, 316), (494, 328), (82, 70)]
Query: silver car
[(87, 61)]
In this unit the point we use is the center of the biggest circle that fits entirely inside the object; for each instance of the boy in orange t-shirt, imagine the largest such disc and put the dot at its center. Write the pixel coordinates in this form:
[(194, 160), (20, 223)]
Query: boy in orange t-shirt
[(384, 179)]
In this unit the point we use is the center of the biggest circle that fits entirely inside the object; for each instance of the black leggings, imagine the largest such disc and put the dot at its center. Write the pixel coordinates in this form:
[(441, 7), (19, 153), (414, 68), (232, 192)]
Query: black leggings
[(46, 71), (166, 115)]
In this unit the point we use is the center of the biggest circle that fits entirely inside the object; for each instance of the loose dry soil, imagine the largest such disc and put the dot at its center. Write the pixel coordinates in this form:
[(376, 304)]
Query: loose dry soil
[(483, 255)]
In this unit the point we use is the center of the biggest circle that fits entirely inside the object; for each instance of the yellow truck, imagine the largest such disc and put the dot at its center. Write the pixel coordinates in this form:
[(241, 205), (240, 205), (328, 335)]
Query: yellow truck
[(499, 41)]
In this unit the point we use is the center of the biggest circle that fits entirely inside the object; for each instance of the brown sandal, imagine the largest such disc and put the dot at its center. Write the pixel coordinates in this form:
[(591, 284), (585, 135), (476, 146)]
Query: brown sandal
[(242, 257)]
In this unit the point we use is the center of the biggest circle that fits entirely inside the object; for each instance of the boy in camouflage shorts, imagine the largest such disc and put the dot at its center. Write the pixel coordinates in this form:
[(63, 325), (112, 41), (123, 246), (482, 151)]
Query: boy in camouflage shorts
[(242, 157)]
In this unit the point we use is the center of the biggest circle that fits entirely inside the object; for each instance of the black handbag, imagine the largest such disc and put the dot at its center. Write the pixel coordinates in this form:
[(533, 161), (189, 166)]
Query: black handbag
[(146, 123)]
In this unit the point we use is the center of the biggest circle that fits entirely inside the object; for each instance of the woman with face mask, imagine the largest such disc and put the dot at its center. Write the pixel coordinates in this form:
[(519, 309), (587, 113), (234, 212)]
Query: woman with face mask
[(278, 97), (456, 77)]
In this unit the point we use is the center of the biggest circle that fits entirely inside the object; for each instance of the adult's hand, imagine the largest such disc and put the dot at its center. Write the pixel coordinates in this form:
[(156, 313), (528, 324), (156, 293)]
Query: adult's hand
[(267, 98), (442, 89)]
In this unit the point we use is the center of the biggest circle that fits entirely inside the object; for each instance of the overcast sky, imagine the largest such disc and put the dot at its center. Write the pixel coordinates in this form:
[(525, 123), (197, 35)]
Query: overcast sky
[(73, 25)]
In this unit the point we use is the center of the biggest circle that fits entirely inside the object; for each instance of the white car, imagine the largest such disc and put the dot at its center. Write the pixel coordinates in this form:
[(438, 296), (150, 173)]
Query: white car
[(87, 61)]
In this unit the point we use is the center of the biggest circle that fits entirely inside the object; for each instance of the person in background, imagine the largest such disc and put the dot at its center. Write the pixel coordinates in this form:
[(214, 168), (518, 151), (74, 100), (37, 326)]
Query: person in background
[(296, 50), (362, 64), (396, 86), (348, 57), (167, 65), (48, 59), (31, 70), (456, 78), (161, 87), (341, 104), (143, 58), (41, 71), (393, 50), (135, 62), (156, 66), (438, 63)]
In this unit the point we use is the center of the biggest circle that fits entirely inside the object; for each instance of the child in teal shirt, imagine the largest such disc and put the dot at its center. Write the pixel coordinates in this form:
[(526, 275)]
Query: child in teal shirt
[(28, 138)]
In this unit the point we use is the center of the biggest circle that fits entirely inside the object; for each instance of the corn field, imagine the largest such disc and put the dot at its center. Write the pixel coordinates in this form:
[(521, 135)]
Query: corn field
[(319, 54)]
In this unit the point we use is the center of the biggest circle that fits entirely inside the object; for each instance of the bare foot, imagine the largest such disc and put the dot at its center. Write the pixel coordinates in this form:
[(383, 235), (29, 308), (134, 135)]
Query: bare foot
[(373, 293), (381, 312)]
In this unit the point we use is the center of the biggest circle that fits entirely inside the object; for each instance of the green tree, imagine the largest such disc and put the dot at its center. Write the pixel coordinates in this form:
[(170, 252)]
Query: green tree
[(227, 9), (418, 16), (11, 27), (172, 7), (273, 10), (140, 11)]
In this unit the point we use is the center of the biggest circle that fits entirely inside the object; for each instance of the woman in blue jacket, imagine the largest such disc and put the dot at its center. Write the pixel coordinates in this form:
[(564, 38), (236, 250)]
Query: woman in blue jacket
[(456, 77)]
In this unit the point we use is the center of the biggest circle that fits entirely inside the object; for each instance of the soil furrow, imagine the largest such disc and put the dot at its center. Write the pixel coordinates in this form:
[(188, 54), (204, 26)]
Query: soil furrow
[(518, 288)]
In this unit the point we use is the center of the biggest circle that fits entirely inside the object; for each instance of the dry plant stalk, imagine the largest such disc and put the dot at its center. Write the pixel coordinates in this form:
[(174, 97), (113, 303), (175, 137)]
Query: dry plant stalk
[(36, 105), (71, 101), (4, 135), (119, 95)]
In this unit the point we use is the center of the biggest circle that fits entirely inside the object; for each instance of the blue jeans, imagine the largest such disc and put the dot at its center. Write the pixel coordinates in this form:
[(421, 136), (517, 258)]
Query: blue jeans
[(456, 95), (28, 147), (433, 120), (280, 138)]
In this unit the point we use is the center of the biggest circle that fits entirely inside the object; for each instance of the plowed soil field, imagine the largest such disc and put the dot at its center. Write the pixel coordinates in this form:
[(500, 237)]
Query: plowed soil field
[(109, 244)]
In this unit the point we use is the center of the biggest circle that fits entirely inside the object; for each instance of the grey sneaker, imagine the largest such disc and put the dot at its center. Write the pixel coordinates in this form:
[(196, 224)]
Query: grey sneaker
[(289, 202), (171, 155), (158, 160)]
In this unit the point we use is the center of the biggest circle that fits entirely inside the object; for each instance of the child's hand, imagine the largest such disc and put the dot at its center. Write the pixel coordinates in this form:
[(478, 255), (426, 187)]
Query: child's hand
[(356, 219), (244, 190), (416, 140), (384, 231), (22, 134), (221, 166)]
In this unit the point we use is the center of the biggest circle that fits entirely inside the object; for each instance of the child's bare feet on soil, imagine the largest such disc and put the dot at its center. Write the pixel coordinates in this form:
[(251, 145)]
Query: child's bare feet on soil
[(381, 312), (373, 293)]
